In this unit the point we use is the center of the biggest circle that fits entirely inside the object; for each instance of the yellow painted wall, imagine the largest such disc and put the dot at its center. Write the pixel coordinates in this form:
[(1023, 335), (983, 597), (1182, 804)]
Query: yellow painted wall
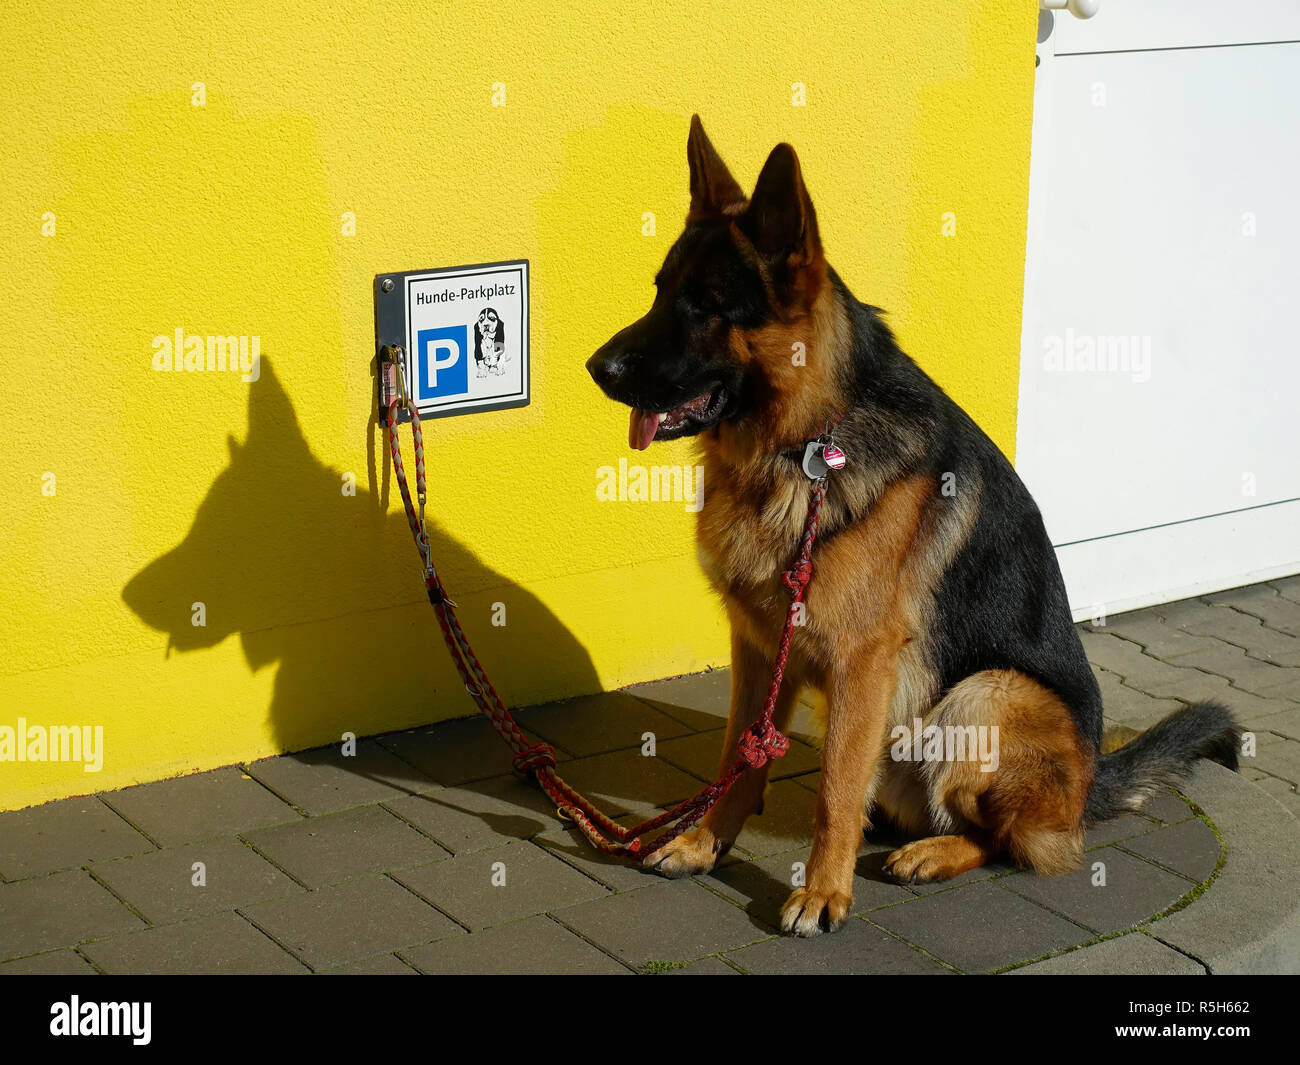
[(172, 489)]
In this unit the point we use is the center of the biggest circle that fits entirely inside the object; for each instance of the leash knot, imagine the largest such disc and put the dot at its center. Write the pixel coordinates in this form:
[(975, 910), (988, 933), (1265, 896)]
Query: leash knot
[(762, 743), (797, 578), (538, 756)]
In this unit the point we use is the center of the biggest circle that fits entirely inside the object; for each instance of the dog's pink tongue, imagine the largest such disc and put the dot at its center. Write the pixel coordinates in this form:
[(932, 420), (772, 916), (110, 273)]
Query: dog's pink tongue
[(642, 428)]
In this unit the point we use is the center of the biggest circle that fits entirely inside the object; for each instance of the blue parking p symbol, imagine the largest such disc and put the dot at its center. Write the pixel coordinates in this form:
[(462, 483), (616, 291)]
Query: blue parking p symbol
[(441, 365)]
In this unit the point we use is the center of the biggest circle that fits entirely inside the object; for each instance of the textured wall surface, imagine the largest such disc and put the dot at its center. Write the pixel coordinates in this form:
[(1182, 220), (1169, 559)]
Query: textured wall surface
[(131, 495)]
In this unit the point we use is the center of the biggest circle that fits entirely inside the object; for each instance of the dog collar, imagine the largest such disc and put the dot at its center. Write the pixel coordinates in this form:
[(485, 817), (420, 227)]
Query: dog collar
[(817, 457)]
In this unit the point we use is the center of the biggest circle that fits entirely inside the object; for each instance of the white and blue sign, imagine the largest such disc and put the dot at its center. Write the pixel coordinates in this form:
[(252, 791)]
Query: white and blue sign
[(466, 335)]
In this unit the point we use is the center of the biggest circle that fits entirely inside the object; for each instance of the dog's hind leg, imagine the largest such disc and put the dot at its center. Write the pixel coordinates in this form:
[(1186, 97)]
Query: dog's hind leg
[(1006, 772), (697, 851)]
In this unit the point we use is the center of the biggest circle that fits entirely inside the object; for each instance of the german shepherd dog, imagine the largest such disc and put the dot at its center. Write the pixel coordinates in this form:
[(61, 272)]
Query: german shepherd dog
[(942, 605)]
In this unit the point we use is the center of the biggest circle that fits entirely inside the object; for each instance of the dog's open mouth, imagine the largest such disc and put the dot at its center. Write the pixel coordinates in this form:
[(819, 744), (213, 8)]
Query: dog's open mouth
[(648, 425)]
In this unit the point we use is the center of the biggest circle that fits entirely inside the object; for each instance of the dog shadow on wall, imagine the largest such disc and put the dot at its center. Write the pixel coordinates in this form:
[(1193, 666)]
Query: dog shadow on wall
[(326, 585)]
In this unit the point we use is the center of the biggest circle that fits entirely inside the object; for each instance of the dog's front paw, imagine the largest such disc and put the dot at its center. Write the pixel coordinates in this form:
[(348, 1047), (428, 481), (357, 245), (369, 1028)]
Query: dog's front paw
[(692, 852), (809, 912)]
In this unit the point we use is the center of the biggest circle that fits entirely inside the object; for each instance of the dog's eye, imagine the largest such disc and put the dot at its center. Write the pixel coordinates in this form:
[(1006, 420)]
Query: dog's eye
[(704, 303)]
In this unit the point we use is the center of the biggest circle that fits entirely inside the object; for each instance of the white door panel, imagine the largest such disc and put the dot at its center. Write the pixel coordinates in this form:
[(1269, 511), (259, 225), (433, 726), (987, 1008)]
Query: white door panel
[(1118, 573), (1160, 366)]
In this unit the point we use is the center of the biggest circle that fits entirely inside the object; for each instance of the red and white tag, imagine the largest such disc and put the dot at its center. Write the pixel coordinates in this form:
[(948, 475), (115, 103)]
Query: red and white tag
[(833, 457)]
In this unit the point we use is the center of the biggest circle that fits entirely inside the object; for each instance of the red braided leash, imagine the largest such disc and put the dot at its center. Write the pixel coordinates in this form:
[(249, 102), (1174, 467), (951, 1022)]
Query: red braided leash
[(762, 742)]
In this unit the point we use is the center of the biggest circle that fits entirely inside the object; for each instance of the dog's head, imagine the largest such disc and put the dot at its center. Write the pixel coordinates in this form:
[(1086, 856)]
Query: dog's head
[(489, 331), (734, 296)]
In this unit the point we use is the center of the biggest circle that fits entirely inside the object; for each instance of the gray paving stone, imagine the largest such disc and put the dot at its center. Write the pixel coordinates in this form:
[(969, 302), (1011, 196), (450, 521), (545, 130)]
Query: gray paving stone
[(703, 701), (479, 814), (375, 965), (456, 752), (805, 724), (1183, 611), (1284, 792), (1125, 827), (761, 886), (1167, 808), (980, 927), (59, 910), (1246, 706), (1128, 705), (223, 943), (594, 724), (858, 947), (1132, 954), (324, 780), (1263, 602), (800, 760), (1251, 674), (1246, 632), (1289, 587), (786, 821), (1184, 681), (1288, 692), (1279, 759), (1190, 684), (537, 946), (63, 834), (186, 809), (697, 753), (1190, 848), (700, 700), (1146, 628), (348, 921), (624, 782), (52, 963), (811, 781), (567, 843), (671, 921), (337, 847), (160, 885), (700, 754), (1134, 890), (535, 881), (1141, 671), (1260, 737)]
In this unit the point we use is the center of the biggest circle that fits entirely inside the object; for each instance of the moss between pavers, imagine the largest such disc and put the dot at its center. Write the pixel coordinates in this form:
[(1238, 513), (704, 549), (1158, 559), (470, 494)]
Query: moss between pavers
[(658, 968)]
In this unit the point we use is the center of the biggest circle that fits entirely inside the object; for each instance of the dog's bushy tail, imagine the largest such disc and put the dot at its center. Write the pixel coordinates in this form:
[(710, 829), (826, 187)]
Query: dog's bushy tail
[(1162, 755)]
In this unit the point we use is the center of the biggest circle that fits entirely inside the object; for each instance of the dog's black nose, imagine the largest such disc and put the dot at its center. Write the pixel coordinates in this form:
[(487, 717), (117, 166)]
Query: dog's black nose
[(607, 368)]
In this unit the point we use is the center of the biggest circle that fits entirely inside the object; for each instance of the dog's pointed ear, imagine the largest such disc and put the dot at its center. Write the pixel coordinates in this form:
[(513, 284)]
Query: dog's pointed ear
[(780, 220), (712, 186)]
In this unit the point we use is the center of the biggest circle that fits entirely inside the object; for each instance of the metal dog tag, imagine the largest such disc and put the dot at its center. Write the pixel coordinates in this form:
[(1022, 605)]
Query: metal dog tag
[(814, 465)]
